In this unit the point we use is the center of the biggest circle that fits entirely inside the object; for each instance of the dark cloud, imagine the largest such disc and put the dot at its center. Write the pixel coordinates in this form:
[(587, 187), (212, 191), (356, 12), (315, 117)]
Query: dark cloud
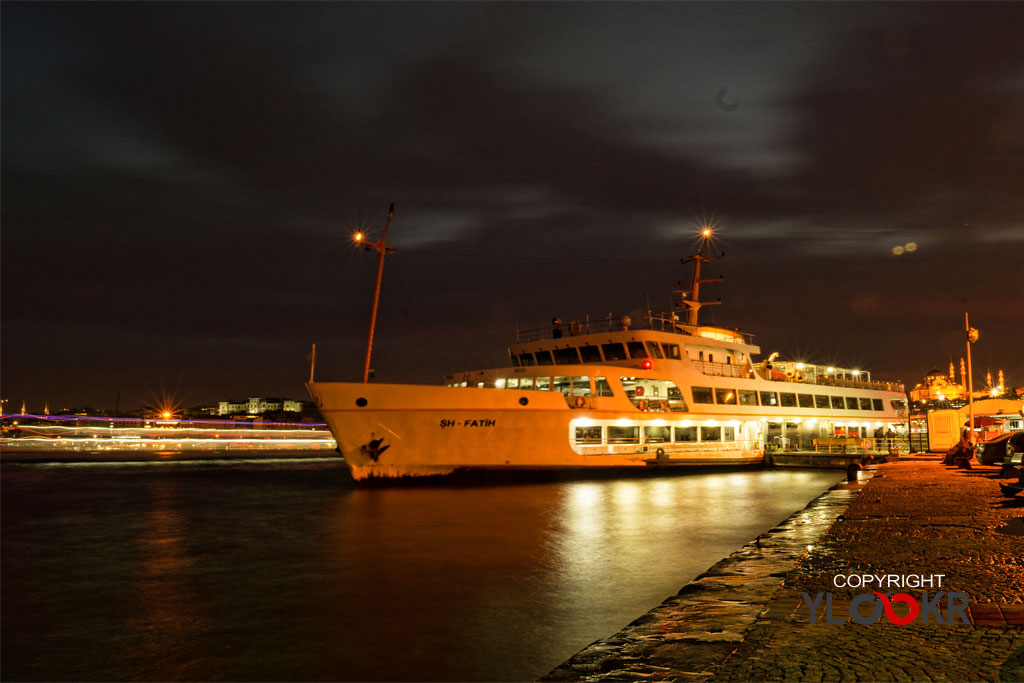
[(180, 181), (918, 122)]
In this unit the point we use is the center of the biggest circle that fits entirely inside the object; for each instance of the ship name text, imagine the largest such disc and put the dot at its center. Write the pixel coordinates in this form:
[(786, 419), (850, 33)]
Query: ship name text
[(486, 422)]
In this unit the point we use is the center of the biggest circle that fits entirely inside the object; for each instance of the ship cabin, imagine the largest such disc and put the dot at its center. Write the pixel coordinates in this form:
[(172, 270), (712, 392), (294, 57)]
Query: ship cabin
[(670, 369)]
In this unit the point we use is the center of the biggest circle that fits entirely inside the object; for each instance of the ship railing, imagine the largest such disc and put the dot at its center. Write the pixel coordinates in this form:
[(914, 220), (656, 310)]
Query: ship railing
[(657, 323), (722, 369), (652, 447), (844, 445), (821, 380), (859, 384)]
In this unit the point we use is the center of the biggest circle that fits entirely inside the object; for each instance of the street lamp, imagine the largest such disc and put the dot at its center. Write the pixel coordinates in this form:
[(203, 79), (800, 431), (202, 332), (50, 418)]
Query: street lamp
[(972, 336)]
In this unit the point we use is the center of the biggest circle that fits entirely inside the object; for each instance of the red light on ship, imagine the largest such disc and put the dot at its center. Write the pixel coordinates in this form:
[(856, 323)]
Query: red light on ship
[(646, 364)]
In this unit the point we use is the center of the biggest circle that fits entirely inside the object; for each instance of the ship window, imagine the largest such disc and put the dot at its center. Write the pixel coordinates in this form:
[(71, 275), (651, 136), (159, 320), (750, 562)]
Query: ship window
[(590, 354), (671, 351), (588, 435), (806, 400), (725, 396), (676, 402), (851, 403), (581, 386), (636, 349), (601, 387), (526, 360), (512, 383), (654, 348), (686, 434), (525, 383), (654, 394), (837, 403), (769, 398), (748, 398), (499, 383), (618, 434), (544, 358), (729, 433), (702, 395), (561, 384), (821, 401), (515, 361), (567, 356), (657, 434), (710, 433), (613, 351), (543, 383), (787, 400), (865, 404), (876, 404)]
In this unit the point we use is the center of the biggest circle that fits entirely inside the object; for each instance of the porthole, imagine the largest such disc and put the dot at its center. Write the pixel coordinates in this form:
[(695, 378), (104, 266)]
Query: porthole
[(523, 400), (360, 402)]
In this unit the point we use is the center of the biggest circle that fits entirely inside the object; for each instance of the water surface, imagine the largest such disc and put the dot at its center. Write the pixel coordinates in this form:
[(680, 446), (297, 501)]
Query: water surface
[(288, 572)]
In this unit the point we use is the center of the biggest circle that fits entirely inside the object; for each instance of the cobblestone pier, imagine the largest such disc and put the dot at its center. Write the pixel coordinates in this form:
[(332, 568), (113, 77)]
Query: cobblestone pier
[(745, 618)]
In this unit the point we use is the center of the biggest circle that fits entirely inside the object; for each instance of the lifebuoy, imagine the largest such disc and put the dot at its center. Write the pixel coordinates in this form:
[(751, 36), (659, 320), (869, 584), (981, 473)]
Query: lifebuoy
[(664, 405), (639, 391), (865, 444), (660, 452), (580, 401), (642, 404)]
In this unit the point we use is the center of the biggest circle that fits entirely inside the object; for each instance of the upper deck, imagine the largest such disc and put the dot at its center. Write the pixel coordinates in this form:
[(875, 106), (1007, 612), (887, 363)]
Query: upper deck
[(670, 325), (709, 350)]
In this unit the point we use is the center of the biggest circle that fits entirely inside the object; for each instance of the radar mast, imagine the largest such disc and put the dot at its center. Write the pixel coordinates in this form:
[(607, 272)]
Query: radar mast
[(690, 299)]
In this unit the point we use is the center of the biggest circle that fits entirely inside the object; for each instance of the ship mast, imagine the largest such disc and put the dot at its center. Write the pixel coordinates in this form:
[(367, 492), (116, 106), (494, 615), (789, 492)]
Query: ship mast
[(383, 249), (703, 255)]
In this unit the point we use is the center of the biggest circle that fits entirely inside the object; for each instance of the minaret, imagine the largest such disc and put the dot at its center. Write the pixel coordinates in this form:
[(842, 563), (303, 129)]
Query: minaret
[(952, 375), (988, 379), (1001, 382), (46, 408), (23, 407)]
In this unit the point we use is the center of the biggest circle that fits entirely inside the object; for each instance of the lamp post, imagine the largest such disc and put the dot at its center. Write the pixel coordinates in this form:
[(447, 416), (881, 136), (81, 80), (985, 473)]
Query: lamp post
[(383, 249), (972, 336)]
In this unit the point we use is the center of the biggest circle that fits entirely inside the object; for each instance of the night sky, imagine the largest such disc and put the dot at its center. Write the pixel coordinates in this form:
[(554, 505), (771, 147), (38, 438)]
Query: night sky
[(181, 182)]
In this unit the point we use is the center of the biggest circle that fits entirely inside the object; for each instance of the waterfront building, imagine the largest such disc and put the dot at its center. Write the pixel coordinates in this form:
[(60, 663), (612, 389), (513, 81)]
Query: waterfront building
[(938, 388), (256, 405)]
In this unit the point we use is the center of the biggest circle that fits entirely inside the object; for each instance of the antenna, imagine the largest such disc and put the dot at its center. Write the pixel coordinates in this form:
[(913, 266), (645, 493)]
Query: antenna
[(312, 363)]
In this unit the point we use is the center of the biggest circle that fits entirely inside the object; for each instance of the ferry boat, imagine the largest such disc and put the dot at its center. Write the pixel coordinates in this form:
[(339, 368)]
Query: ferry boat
[(661, 392)]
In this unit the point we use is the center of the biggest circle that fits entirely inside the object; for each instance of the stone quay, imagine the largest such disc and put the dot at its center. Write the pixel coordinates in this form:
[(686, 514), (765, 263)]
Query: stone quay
[(948, 538)]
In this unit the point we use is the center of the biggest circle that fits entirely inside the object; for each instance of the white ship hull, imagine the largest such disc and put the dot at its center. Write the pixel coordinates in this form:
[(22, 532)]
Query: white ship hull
[(425, 430)]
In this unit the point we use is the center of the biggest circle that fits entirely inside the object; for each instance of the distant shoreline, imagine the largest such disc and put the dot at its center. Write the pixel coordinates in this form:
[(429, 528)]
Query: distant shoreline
[(37, 456)]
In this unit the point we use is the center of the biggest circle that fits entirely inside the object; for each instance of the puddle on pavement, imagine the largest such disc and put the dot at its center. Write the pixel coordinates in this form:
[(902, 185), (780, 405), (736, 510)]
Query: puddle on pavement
[(1015, 527)]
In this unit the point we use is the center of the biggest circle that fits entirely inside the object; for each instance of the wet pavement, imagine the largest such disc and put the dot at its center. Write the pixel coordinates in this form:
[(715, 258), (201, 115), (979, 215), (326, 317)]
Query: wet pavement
[(746, 619)]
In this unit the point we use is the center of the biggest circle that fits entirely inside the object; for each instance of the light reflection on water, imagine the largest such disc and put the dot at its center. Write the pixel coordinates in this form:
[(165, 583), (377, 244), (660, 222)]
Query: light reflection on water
[(289, 573)]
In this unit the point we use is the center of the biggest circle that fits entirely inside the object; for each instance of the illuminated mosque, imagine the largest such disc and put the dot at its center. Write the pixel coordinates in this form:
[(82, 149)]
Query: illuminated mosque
[(939, 387)]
